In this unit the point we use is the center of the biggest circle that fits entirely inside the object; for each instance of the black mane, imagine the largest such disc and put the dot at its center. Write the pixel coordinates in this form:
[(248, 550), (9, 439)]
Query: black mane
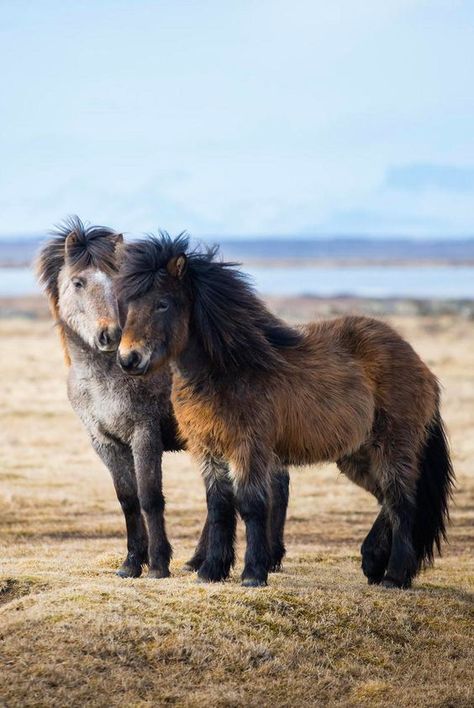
[(146, 260), (232, 324), (93, 246)]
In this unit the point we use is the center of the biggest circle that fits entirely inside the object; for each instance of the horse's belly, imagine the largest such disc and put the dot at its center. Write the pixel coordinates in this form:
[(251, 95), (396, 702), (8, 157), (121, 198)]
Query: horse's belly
[(323, 434)]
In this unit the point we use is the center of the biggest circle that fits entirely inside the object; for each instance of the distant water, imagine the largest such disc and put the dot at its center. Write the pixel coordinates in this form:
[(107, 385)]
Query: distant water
[(17, 281), (437, 282), (443, 282)]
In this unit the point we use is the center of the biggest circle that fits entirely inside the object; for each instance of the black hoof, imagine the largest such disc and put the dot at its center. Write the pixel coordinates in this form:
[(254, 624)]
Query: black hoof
[(129, 571), (374, 565), (188, 568), (277, 555), (390, 583), (212, 572), (253, 583), (374, 579), (275, 567), (158, 573), (254, 577), (192, 565)]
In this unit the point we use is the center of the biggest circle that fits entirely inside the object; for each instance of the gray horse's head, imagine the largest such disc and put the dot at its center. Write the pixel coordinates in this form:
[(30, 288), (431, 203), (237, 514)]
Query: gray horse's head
[(77, 269)]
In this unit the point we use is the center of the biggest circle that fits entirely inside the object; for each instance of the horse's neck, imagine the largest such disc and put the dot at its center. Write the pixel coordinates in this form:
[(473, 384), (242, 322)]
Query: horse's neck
[(197, 370), (84, 358), (192, 364)]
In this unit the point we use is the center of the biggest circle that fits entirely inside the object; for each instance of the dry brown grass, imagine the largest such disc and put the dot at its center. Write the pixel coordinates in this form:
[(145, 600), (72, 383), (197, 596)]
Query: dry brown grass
[(71, 633)]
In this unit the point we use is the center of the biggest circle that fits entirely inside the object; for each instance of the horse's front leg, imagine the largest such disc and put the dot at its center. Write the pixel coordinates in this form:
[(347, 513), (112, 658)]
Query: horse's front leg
[(200, 552), (119, 460), (216, 545), (252, 494), (147, 454)]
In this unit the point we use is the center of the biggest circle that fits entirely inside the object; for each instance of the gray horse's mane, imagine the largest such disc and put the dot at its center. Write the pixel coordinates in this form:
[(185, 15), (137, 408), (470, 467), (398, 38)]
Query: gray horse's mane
[(91, 246)]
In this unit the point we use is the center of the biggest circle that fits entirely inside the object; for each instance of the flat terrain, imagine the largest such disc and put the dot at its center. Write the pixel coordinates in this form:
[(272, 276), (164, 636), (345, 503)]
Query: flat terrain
[(72, 633)]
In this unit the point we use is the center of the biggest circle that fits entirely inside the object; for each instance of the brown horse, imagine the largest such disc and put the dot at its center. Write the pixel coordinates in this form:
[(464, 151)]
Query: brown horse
[(252, 392)]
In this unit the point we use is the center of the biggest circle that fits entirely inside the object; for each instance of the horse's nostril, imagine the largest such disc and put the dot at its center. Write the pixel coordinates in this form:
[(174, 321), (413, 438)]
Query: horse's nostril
[(135, 359), (130, 361), (104, 338)]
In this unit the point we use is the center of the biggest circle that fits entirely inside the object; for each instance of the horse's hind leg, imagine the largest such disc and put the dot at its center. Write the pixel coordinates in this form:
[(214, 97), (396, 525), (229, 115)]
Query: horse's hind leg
[(360, 468), (280, 487), (376, 548), (118, 459), (399, 496)]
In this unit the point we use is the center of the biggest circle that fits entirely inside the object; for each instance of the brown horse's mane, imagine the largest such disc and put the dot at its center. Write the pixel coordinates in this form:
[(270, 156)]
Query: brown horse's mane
[(231, 323), (92, 246)]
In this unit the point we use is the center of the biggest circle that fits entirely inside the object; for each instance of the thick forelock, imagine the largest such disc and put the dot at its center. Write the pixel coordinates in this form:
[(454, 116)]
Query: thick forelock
[(93, 246), (145, 260)]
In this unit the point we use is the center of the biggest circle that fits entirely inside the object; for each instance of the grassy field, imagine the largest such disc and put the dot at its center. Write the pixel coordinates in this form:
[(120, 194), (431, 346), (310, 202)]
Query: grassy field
[(72, 633)]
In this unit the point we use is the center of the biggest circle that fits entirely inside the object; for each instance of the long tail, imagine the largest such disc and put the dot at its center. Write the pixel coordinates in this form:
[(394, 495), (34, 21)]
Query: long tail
[(434, 491)]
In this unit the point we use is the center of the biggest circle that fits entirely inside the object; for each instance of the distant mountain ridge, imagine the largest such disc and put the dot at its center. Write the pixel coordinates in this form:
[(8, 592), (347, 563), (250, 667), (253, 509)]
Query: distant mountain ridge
[(20, 251)]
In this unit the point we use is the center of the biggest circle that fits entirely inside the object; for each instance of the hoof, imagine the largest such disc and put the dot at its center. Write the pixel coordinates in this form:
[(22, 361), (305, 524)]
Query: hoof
[(193, 565), (158, 573), (210, 572), (373, 565), (374, 579), (204, 581), (200, 580), (275, 568), (253, 583), (188, 568), (127, 571), (390, 583)]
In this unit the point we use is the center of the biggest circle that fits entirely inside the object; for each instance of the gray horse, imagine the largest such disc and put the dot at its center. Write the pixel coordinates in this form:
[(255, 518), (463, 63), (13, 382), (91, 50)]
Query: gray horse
[(129, 420)]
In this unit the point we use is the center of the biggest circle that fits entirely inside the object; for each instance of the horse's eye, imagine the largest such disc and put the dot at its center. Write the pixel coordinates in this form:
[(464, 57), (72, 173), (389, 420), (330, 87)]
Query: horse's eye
[(162, 306), (78, 283)]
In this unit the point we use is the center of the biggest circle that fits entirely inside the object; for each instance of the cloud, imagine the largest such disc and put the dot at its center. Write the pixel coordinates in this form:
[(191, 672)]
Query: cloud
[(421, 177)]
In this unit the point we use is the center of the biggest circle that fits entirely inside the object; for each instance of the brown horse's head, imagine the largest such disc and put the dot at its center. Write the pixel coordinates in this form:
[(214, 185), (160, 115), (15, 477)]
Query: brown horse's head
[(77, 269), (176, 298), (152, 287)]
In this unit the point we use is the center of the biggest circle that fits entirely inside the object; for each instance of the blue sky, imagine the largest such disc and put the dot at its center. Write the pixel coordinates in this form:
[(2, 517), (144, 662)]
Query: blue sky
[(251, 117)]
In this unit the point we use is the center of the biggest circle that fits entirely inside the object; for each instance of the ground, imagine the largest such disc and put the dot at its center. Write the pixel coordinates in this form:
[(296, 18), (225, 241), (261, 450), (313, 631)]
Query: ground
[(72, 633)]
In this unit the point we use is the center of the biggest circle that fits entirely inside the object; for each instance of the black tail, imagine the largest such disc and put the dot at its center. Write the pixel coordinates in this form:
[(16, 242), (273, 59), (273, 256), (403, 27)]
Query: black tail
[(435, 488)]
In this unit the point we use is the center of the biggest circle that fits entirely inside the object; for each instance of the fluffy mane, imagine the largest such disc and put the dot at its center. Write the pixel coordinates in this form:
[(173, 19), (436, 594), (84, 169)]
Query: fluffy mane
[(232, 324), (93, 246)]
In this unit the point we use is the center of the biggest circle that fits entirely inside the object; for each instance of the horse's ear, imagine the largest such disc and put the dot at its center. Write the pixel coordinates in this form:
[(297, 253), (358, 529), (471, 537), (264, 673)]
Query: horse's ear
[(70, 242), (177, 265)]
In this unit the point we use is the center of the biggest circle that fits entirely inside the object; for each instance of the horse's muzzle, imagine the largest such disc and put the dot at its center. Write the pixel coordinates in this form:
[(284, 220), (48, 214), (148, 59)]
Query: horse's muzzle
[(133, 363), (108, 339)]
